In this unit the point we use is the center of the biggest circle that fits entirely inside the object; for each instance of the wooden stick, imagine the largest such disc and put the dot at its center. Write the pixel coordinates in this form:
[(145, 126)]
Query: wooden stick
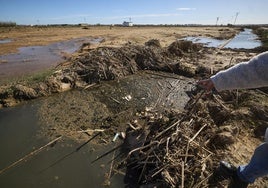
[(103, 155), (220, 103), (88, 86), (196, 134), (30, 154), (202, 181), (115, 100), (91, 130), (182, 174), (158, 171), (111, 168), (142, 147), (183, 118)]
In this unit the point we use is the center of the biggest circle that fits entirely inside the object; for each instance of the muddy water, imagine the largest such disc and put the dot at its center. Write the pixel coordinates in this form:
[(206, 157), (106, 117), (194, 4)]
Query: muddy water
[(3, 41), (245, 39), (29, 126), (58, 166), (37, 58)]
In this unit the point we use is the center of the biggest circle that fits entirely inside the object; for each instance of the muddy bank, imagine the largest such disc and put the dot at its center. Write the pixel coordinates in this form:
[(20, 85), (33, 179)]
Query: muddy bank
[(169, 148), (93, 65), (90, 66), (111, 105)]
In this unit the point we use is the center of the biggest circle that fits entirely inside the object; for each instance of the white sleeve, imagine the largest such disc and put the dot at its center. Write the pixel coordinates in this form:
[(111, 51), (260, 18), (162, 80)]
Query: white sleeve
[(251, 74)]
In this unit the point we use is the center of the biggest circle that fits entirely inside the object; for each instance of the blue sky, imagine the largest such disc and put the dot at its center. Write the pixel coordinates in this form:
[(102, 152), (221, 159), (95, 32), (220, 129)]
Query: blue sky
[(140, 11)]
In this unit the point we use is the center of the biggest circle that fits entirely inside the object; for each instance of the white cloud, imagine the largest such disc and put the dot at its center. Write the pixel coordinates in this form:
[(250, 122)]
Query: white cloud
[(186, 9)]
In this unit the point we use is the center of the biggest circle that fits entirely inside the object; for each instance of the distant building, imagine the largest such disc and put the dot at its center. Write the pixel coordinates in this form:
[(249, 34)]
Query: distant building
[(127, 24), (83, 24)]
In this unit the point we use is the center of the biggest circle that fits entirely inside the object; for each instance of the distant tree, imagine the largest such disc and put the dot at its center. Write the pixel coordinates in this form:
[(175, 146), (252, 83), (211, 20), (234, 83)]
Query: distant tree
[(7, 24)]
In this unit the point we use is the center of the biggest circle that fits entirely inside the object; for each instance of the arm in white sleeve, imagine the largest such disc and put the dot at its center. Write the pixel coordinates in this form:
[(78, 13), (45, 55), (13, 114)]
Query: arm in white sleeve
[(251, 74)]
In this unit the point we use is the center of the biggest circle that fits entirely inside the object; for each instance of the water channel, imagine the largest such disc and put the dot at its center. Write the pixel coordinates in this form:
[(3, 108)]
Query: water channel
[(245, 39)]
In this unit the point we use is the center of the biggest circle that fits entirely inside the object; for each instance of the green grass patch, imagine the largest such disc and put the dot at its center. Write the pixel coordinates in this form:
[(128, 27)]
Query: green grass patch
[(38, 77), (28, 79)]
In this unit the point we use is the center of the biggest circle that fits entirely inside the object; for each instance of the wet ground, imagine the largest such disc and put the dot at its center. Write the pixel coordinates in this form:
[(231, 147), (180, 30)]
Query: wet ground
[(109, 105), (58, 166), (112, 104), (3, 41), (29, 126), (37, 58), (245, 39)]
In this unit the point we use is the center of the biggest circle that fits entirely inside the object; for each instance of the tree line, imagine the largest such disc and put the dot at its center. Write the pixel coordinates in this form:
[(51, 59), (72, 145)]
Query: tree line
[(7, 24)]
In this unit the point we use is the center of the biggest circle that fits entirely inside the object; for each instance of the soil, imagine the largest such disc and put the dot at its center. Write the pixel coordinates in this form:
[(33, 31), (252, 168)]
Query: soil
[(114, 36), (189, 143)]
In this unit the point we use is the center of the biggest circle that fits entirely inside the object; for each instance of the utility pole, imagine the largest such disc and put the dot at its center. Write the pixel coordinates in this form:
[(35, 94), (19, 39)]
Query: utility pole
[(217, 20), (236, 17)]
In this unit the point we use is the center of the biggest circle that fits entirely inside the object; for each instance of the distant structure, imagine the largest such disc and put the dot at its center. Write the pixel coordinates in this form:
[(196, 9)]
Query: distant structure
[(128, 24), (217, 20), (236, 17)]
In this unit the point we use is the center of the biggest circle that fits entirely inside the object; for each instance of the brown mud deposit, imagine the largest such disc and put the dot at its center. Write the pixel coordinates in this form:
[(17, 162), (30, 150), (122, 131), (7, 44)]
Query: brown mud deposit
[(164, 146)]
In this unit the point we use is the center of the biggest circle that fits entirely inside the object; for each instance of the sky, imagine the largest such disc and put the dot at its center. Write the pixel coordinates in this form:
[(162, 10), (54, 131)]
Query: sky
[(33, 12)]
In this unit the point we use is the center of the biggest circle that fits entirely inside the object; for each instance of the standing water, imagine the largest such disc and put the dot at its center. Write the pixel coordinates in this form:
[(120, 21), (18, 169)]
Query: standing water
[(36, 58), (57, 166), (22, 130), (245, 39)]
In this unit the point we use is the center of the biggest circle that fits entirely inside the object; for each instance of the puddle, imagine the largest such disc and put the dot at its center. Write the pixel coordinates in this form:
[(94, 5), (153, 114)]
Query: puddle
[(245, 39), (60, 166), (3, 41), (36, 58)]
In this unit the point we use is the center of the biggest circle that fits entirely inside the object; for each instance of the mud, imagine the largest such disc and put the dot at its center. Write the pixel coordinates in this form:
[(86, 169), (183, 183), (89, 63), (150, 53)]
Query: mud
[(111, 105), (209, 128)]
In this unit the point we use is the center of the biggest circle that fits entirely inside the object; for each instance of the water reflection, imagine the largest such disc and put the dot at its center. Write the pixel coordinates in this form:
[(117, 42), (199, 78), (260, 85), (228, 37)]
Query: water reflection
[(36, 58), (60, 166), (65, 165), (245, 39), (3, 41)]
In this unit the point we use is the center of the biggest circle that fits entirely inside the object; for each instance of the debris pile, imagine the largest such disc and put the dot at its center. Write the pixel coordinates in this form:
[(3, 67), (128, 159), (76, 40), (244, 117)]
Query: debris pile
[(107, 63), (182, 149), (172, 150)]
